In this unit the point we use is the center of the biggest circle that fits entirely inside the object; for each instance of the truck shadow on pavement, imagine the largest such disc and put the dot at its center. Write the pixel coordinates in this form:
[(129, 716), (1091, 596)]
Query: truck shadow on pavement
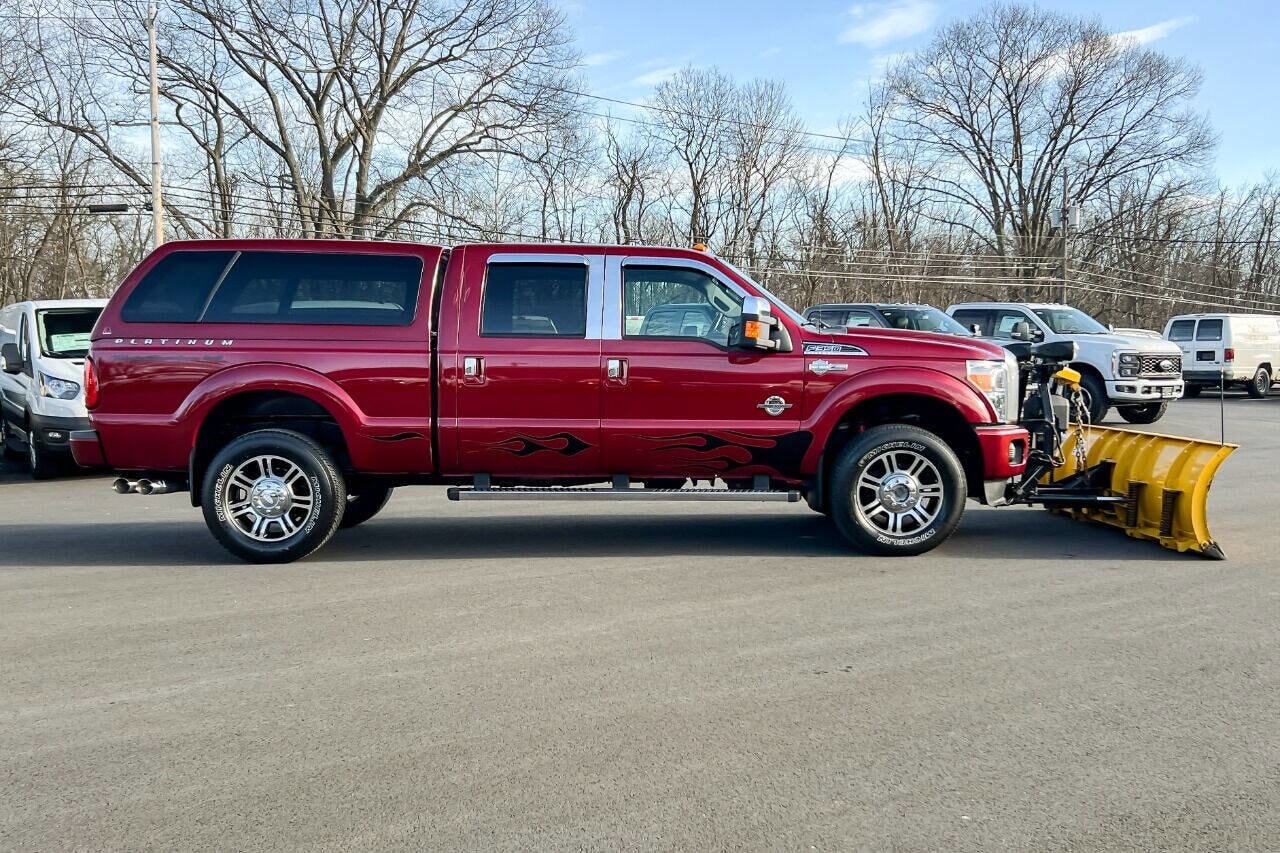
[(1010, 534)]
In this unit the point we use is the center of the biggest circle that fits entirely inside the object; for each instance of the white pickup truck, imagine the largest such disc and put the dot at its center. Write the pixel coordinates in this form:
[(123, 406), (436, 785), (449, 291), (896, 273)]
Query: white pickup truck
[(1137, 374)]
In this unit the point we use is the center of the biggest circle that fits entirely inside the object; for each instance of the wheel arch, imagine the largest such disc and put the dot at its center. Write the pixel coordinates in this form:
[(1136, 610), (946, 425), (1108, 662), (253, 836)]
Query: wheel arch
[(225, 416), (928, 410)]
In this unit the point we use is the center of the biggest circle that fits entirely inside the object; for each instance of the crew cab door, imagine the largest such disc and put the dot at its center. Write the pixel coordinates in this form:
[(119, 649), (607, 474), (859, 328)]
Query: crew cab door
[(677, 400), (524, 368)]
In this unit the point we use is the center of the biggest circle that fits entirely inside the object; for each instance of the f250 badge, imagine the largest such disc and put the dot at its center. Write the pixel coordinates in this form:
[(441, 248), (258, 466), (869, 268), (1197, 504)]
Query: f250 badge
[(833, 349)]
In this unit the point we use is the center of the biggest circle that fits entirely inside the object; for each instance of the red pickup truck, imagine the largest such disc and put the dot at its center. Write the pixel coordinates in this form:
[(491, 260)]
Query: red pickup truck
[(290, 385)]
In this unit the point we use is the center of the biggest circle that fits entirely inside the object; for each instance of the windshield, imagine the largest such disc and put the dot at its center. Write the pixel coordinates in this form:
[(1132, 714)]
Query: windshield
[(1070, 321), (64, 332), (923, 319)]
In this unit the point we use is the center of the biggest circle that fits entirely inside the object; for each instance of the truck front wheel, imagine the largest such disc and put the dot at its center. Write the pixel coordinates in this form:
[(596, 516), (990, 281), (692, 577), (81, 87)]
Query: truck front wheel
[(273, 496), (1148, 414), (897, 490)]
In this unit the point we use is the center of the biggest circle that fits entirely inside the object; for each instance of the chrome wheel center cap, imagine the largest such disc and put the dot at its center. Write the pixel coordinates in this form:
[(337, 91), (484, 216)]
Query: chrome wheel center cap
[(899, 492), (270, 497)]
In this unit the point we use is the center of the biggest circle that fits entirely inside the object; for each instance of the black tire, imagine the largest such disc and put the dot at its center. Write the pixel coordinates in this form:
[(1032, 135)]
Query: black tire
[(1095, 396), (876, 453), (42, 463), (7, 442), (228, 510), (1260, 385), (1147, 414), (1190, 392), (364, 505)]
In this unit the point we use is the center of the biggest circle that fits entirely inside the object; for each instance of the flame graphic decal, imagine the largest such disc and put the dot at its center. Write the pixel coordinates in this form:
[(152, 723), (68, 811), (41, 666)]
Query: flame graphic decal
[(566, 444), (715, 453)]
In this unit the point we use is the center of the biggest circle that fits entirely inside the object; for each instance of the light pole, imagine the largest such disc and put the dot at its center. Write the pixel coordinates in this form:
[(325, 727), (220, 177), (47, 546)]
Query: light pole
[(157, 191)]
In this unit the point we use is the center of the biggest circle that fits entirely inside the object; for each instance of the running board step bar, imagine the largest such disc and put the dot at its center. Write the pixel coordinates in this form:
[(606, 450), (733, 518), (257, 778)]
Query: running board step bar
[(520, 493)]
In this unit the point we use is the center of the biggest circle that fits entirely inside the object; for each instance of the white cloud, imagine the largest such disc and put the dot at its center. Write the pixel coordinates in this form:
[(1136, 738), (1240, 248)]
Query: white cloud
[(1155, 32), (594, 60), (875, 24), (656, 76), (769, 52)]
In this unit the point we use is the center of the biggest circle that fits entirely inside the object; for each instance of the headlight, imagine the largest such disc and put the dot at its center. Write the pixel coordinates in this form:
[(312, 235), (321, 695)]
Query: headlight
[(995, 381), (59, 389), (1128, 364)]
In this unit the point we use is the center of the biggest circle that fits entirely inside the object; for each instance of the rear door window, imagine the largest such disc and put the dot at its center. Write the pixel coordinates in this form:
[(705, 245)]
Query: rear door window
[(1209, 330), (1182, 330), (535, 300), (176, 288), (860, 320), (321, 288)]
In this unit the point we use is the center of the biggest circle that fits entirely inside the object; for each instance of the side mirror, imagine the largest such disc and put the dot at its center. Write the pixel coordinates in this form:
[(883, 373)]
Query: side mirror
[(1021, 331), (975, 330), (1036, 334), (10, 360), (758, 324)]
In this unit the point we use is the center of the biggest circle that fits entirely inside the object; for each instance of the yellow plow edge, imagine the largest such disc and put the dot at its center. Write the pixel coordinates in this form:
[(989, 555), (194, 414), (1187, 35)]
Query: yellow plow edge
[(1166, 479)]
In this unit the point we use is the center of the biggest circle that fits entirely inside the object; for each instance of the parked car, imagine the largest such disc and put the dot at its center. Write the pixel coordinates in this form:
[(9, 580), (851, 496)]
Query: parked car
[(886, 315), (43, 345), (1138, 375), (1230, 350), (290, 385)]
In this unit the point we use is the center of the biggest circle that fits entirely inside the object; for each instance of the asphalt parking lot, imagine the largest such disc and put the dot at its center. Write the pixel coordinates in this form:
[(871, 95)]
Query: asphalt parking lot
[(645, 676)]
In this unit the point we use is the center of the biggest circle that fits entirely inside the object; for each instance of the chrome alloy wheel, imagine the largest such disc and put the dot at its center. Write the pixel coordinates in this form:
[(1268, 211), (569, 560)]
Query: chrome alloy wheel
[(899, 493), (268, 498)]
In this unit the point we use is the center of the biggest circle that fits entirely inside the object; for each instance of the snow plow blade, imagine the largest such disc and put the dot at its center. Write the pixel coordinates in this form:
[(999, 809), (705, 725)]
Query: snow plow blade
[(1164, 481)]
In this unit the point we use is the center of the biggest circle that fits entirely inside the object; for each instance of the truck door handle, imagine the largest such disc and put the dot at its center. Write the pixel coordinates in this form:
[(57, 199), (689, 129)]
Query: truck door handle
[(473, 366), (615, 368)]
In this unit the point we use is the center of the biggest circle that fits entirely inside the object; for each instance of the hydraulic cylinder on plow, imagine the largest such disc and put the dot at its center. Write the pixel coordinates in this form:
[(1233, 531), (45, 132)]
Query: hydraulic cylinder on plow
[(1150, 486)]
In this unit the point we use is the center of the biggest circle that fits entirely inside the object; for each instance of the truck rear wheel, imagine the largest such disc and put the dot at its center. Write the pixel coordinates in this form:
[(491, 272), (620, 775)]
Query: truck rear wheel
[(897, 490), (1147, 414), (364, 505), (1260, 385), (273, 496)]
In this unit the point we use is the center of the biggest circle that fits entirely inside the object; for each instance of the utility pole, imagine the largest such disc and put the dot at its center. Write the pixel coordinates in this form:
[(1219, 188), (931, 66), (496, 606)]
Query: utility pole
[(157, 191), (1066, 239)]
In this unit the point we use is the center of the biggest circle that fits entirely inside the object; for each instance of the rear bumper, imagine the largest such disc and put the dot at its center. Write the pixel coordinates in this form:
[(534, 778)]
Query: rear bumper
[(1213, 377), (1004, 451), (86, 449), (54, 433)]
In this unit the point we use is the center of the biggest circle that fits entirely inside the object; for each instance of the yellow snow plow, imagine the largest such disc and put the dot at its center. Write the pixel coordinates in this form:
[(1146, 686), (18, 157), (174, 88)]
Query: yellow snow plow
[(1150, 486), (1164, 482)]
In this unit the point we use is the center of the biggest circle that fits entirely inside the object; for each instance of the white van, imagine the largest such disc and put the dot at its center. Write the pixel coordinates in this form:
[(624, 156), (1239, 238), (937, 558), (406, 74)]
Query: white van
[(42, 350), (1236, 350)]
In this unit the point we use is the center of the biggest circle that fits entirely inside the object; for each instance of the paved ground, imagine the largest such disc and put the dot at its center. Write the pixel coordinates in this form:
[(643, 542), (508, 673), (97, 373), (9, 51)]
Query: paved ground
[(647, 676)]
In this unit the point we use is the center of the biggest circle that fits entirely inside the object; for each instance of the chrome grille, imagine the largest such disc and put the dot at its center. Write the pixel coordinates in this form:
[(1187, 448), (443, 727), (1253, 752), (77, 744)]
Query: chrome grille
[(1153, 365)]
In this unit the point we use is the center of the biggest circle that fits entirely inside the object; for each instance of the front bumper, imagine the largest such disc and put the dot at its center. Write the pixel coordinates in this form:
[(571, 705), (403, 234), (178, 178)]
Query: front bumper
[(52, 433), (1143, 390), (1004, 451)]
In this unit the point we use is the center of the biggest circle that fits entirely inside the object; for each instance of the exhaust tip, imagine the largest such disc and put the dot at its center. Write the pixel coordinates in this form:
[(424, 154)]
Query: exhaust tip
[(145, 487), (122, 486)]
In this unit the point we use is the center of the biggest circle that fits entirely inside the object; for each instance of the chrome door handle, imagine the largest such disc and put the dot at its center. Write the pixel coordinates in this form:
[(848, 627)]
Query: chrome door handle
[(616, 368), (473, 365)]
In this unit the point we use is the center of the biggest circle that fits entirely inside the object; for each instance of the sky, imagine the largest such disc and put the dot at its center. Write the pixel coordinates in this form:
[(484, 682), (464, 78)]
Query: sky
[(826, 52)]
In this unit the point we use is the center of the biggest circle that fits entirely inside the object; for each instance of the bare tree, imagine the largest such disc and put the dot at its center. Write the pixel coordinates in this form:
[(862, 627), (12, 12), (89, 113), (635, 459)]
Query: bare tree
[(1011, 100)]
